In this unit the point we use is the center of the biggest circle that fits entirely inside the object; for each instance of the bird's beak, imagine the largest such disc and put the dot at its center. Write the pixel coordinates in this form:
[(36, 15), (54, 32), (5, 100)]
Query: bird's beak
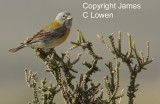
[(69, 17)]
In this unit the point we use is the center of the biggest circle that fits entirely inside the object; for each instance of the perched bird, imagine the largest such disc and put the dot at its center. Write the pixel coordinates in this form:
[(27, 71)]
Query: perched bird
[(51, 36)]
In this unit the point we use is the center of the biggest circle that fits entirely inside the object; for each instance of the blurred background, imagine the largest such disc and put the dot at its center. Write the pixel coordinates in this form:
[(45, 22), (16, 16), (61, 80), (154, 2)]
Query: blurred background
[(20, 19)]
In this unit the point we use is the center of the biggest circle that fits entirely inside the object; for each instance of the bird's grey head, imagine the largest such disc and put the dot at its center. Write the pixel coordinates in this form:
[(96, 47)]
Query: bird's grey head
[(65, 19)]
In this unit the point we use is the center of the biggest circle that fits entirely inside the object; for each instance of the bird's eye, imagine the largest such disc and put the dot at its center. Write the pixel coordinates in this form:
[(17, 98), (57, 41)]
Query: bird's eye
[(63, 17)]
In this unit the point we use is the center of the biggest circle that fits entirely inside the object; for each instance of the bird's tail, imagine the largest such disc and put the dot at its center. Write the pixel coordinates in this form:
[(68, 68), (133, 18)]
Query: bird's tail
[(16, 49)]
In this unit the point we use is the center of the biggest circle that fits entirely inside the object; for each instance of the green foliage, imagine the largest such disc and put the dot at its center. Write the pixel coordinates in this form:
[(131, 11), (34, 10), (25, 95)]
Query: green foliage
[(86, 91)]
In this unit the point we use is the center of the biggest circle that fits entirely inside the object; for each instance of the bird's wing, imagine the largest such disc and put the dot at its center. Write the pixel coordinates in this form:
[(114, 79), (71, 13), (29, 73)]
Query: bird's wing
[(47, 35)]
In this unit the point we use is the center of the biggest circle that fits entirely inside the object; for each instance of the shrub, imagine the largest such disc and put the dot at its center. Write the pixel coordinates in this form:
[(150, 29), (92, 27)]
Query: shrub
[(85, 91)]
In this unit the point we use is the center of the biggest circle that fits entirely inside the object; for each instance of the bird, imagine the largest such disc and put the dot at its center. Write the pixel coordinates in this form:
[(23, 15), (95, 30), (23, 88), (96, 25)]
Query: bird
[(50, 36)]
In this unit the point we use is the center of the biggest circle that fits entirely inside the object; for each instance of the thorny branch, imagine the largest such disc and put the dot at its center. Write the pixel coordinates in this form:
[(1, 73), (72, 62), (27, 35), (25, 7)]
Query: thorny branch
[(128, 58), (85, 91)]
